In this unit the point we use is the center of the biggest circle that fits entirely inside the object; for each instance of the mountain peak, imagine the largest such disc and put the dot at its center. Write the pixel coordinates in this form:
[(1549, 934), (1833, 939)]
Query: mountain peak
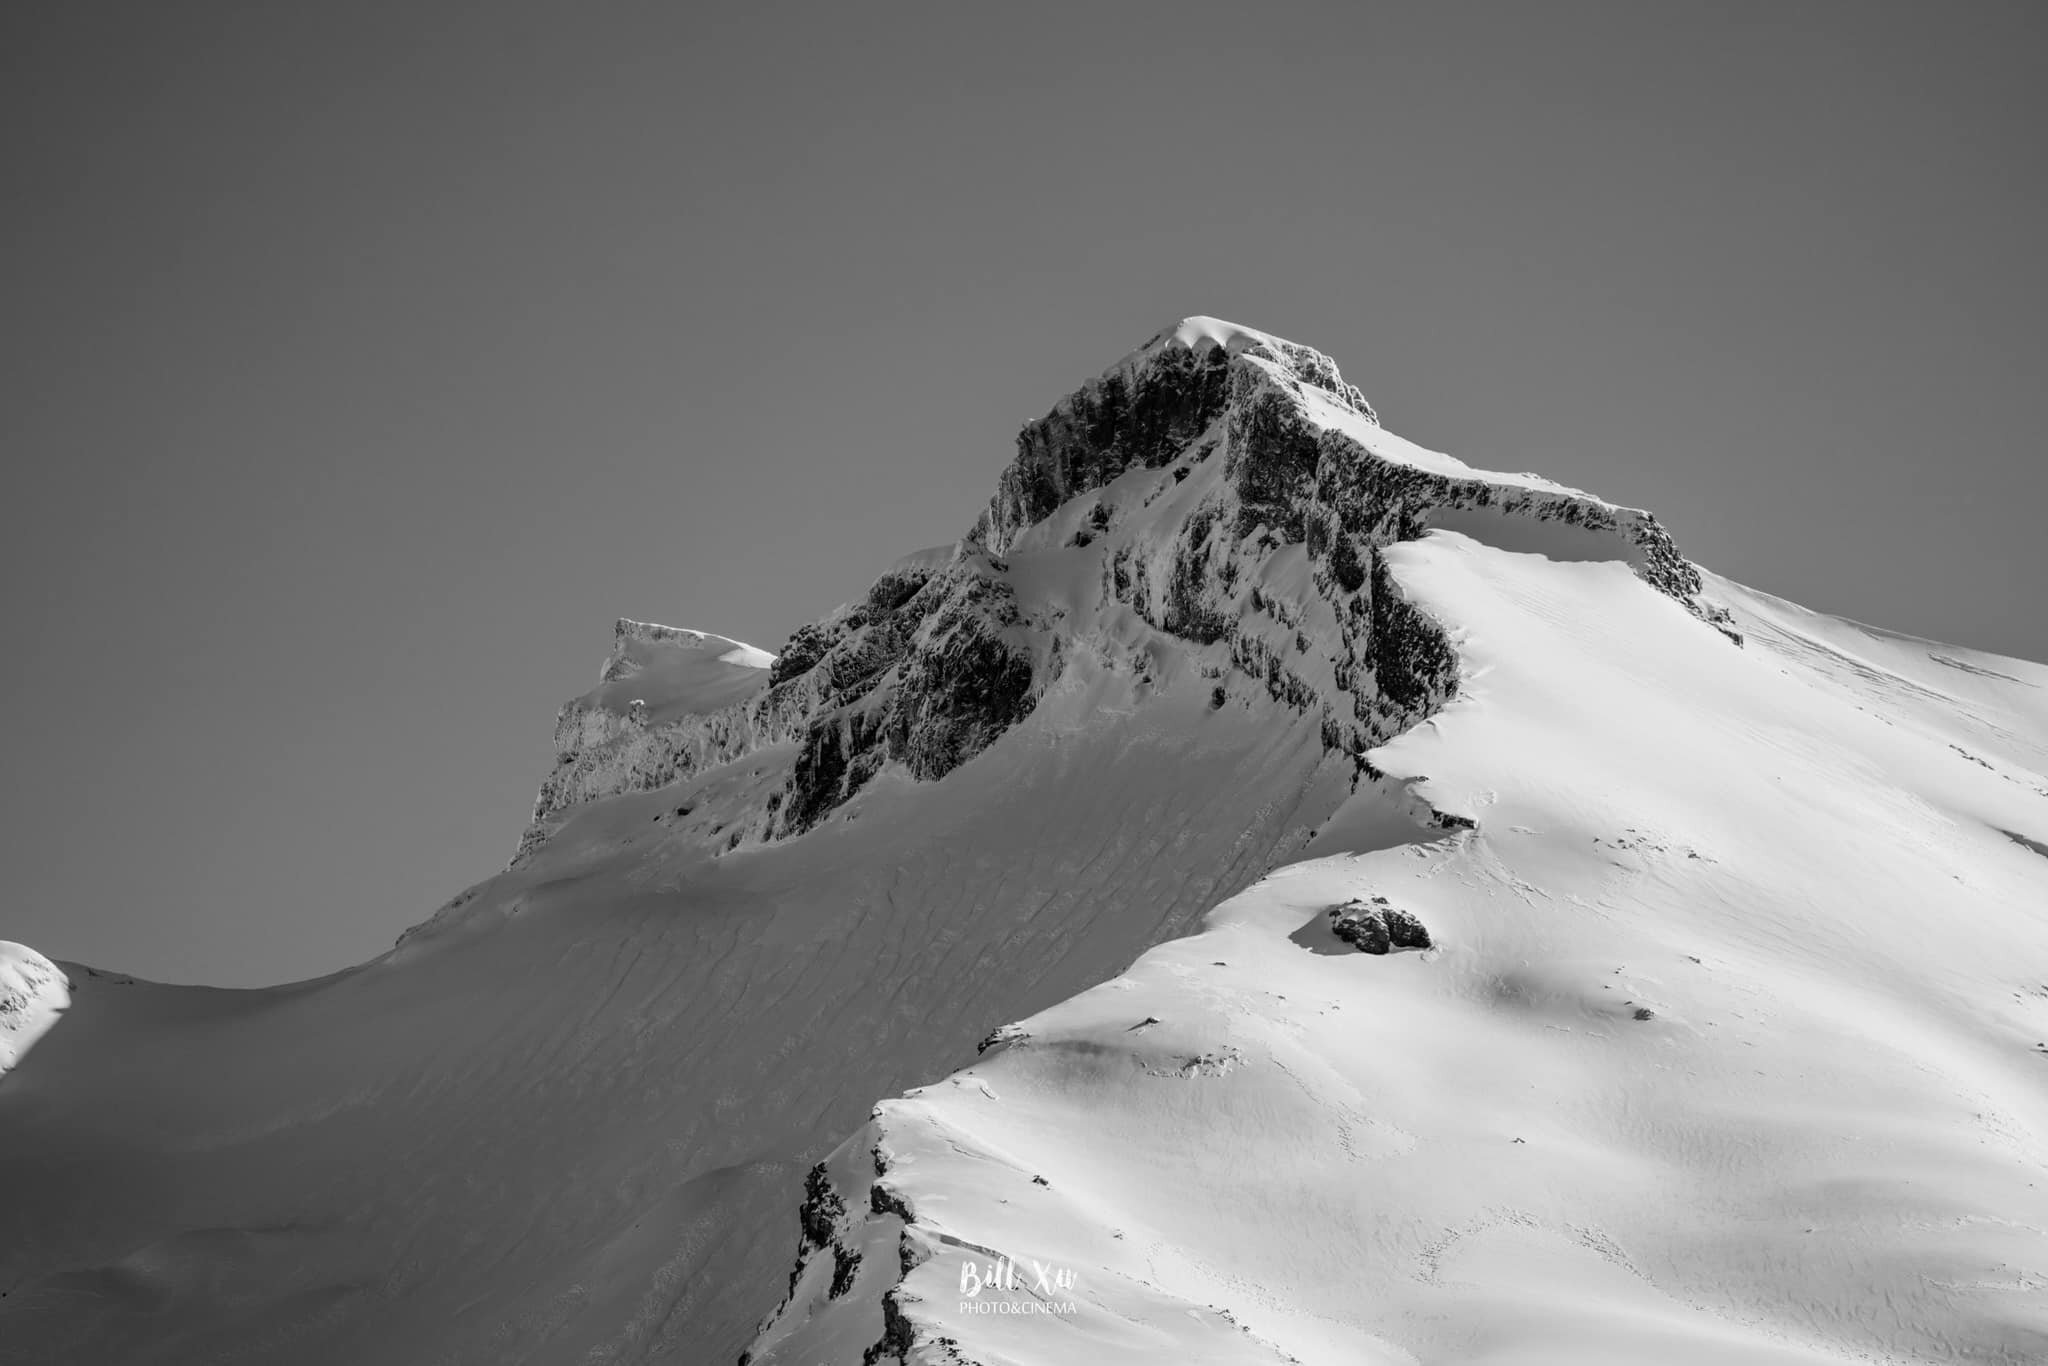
[(1145, 410), (1199, 330), (1219, 495)]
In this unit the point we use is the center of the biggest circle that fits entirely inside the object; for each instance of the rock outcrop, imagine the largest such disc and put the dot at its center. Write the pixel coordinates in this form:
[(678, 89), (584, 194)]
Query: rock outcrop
[(1374, 926), (925, 671)]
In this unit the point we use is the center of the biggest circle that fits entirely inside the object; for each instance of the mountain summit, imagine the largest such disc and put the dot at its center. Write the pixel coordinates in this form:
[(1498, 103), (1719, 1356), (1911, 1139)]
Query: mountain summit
[(1268, 892), (1217, 486)]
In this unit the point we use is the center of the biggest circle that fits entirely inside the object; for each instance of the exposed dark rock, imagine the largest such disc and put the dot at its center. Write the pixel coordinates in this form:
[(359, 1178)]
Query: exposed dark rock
[(1255, 656), (962, 687), (925, 673), (822, 1209), (1141, 417), (882, 1200), (1376, 927), (805, 648), (1272, 462), (1344, 565), (836, 761), (895, 588), (845, 1265), (2025, 843), (896, 1334), (1002, 1036), (1412, 660), (1189, 610), (819, 1217)]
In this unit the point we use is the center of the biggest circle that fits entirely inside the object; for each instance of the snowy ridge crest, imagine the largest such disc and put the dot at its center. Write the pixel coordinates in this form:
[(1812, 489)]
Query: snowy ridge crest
[(623, 662)]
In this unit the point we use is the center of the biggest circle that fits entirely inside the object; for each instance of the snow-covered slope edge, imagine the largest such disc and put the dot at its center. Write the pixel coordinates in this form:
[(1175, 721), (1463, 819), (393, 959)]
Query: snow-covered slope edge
[(1731, 1045), (33, 993)]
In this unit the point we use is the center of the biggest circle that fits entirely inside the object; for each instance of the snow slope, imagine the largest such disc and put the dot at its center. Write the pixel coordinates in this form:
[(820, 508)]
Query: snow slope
[(567, 1119), (1733, 1046), (1220, 654)]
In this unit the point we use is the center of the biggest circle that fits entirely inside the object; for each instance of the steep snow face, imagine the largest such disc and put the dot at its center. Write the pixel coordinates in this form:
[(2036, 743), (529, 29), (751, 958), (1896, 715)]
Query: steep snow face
[(1729, 1045), (33, 993)]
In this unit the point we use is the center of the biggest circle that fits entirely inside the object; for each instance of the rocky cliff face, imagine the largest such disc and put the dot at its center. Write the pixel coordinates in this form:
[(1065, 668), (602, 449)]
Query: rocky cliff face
[(1231, 493), (925, 671), (1140, 414)]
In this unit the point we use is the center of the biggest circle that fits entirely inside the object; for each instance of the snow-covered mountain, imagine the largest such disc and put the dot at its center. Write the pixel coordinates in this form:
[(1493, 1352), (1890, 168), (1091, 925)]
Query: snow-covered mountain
[(1294, 897)]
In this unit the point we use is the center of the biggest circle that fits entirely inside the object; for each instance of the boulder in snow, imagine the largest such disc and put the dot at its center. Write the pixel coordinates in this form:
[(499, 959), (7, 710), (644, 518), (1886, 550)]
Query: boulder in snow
[(1374, 926)]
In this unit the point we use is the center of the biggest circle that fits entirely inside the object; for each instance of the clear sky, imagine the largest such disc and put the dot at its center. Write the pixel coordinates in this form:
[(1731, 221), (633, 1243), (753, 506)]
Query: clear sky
[(362, 361)]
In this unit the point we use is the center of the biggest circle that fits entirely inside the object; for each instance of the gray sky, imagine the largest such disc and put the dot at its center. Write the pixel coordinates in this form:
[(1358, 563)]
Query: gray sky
[(363, 361)]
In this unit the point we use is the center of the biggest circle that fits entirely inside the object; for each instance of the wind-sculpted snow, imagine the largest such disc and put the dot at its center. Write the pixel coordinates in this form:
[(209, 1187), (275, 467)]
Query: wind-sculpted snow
[(33, 993)]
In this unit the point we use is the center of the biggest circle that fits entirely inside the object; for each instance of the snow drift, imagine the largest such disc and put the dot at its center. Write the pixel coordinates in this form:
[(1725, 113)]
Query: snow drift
[(1709, 1024)]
